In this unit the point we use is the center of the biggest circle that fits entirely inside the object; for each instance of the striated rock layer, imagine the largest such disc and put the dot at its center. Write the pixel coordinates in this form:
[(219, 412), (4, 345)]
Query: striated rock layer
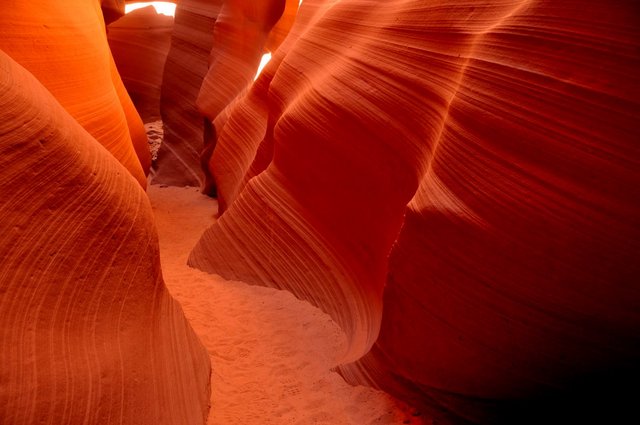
[(478, 161), (242, 34), (516, 269), (69, 54), (215, 51), (88, 332), (140, 42), (186, 65)]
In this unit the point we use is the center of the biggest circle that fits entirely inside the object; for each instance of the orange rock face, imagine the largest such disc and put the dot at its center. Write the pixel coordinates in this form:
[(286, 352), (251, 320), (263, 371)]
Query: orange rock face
[(477, 162), (243, 32), (456, 183), (140, 42), (240, 35), (215, 51), (68, 53), (88, 332), (179, 157)]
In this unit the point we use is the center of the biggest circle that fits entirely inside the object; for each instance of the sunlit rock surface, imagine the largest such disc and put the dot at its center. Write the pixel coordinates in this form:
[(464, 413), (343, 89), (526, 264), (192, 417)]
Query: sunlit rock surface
[(88, 332), (68, 53), (477, 162)]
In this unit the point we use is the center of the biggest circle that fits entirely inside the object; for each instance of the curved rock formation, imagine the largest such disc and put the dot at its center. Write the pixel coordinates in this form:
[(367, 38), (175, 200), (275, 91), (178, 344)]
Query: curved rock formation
[(112, 10), (513, 275), (304, 211), (243, 147), (233, 35), (179, 157), (134, 122), (242, 34), (69, 54), (88, 332), (140, 42), (480, 159), (281, 29)]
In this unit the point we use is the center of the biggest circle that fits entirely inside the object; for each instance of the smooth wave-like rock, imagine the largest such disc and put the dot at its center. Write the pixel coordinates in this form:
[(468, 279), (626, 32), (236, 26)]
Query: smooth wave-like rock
[(69, 54), (215, 52), (112, 10), (242, 35), (282, 27), (88, 333), (186, 65), (140, 43), (515, 273), (478, 161), (307, 167)]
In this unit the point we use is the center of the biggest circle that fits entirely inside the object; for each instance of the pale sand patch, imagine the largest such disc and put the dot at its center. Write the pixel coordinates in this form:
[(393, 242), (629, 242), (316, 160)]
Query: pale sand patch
[(271, 353), (155, 134)]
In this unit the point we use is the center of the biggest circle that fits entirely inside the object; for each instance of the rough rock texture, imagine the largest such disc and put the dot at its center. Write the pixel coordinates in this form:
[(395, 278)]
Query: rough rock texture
[(140, 42), (88, 332), (478, 158), (69, 54), (179, 157)]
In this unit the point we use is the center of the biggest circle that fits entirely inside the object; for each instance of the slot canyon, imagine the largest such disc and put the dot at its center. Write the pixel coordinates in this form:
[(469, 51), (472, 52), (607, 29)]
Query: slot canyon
[(319, 212)]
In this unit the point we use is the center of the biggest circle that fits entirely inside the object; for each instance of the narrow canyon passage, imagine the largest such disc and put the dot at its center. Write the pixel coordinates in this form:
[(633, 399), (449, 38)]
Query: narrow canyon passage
[(271, 353), (417, 212)]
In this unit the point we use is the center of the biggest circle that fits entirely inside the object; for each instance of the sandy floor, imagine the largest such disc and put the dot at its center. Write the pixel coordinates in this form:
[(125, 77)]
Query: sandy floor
[(271, 353)]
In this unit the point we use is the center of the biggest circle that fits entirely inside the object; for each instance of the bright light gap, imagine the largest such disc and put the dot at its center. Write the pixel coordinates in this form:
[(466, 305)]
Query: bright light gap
[(162, 7), (263, 62)]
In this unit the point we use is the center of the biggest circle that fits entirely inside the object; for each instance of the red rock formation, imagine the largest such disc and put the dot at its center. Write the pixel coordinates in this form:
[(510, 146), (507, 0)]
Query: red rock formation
[(112, 10), (233, 35), (69, 54), (304, 213), (242, 34), (134, 122), (514, 272), (489, 149), (88, 332), (243, 147), (281, 29), (178, 160), (140, 42)]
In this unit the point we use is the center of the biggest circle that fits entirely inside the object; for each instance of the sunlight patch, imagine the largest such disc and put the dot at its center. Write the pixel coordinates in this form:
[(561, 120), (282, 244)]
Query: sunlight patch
[(163, 7), (265, 60)]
